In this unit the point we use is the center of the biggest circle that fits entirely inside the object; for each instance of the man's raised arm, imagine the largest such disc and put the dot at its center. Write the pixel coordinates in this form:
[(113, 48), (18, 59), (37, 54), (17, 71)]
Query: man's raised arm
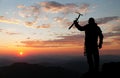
[(78, 26)]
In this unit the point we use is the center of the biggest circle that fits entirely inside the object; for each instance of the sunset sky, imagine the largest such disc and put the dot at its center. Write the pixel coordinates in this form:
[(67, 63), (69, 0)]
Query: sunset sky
[(41, 26)]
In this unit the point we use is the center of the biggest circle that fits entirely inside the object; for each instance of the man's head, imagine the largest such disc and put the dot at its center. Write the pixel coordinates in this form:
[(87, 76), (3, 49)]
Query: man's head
[(91, 20)]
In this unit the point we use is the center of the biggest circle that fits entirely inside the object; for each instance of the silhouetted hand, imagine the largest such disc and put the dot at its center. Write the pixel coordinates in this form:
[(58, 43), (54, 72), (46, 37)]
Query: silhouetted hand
[(100, 46), (75, 22), (84, 53)]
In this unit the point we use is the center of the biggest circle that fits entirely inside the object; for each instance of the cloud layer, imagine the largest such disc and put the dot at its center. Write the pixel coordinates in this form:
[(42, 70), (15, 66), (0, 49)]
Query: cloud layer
[(55, 7), (66, 41), (9, 20), (8, 32), (107, 19)]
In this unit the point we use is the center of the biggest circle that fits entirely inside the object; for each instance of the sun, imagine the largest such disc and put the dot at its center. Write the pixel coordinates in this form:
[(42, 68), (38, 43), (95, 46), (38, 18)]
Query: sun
[(20, 53)]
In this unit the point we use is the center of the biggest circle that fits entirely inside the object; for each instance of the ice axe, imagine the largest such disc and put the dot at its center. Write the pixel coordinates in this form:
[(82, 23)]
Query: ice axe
[(76, 19)]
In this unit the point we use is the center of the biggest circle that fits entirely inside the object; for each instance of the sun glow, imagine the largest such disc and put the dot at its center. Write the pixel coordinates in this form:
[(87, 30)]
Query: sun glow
[(21, 53)]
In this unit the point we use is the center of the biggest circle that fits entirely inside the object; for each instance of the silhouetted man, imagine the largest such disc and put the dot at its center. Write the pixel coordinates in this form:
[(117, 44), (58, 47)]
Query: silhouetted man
[(93, 41)]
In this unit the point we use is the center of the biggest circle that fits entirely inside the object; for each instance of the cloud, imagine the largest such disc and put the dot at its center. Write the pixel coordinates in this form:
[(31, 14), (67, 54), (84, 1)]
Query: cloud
[(65, 41), (9, 20), (51, 6), (29, 23), (59, 19), (111, 38), (84, 8), (1, 30), (107, 19), (12, 33), (44, 26), (8, 32), (62, 20), (33, 25), (111, 34), (113, 41), (38, 43), (55, 7), (20, 6), (30, 11), (117, 39), (117, 28)]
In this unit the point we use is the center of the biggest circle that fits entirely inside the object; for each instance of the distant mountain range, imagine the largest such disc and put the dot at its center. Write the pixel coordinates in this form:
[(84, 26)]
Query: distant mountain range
[(76, 63), (25, 70)]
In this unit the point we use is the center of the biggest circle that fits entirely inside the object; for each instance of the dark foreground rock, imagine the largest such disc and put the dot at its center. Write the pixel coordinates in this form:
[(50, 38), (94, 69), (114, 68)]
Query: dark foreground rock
[(109, 70), (24, 70)]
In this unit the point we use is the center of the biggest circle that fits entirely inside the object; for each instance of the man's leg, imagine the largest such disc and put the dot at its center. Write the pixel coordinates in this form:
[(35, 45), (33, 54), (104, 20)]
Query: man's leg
[(96, 60), (90, 62)]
